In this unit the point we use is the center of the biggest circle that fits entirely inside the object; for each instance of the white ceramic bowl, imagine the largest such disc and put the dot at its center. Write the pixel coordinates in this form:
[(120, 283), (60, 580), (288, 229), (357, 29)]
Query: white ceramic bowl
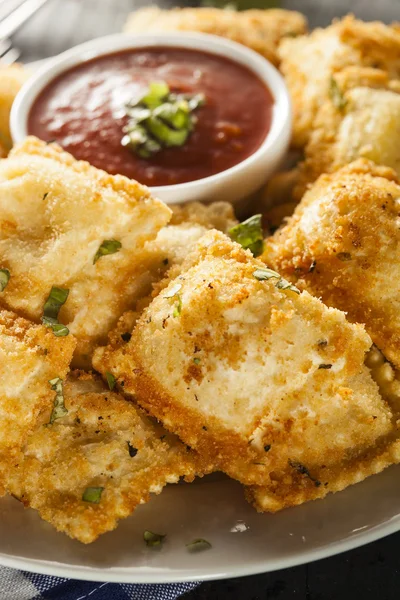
[(233, 184)]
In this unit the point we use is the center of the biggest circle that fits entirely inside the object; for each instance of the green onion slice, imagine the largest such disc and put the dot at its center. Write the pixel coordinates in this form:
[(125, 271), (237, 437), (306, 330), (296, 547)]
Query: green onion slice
[(160, 119), (57, 297), (4, 279), (107, 247), (198, 545), (249, 235), (59, 409), (92, 494), (153, 539)]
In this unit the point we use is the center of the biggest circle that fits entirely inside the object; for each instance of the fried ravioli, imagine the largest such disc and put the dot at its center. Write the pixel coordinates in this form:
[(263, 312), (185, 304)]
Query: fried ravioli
[(302, 486), (168, 251), (260, 30), (248, 372), (30, 358), (362, 119), (342, 244), (56, 214), (95, 465), (309, 62), (11, 80)]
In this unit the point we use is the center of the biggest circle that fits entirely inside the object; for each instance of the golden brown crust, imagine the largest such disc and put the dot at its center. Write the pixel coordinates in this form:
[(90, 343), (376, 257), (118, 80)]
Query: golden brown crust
[(195, 377), (30, 356), (342, 244), (260, 30), (366, 126), (160, 257), (308, 63), (292, 491), (53, 239), (104, 441)]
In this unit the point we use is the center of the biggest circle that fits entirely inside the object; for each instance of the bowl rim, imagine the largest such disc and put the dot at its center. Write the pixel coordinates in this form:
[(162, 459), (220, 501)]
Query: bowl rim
[(277, 135)]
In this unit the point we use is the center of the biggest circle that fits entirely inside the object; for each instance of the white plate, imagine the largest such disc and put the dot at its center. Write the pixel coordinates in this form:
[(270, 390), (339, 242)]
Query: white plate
[(243, 542)]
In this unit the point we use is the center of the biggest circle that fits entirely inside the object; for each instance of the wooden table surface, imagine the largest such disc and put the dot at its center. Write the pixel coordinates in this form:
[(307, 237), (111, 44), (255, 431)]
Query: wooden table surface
[(368, 573)]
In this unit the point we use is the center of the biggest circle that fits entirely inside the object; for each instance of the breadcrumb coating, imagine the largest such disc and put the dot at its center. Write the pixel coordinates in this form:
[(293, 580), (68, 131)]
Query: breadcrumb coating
[(342, 245), (106, 445), (52, 239), (254, 377), (30, 357), (309, 62), (260, 30)]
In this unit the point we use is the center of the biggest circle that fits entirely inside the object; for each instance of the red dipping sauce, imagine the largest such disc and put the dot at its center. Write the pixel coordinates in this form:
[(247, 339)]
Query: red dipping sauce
[(83, 110)]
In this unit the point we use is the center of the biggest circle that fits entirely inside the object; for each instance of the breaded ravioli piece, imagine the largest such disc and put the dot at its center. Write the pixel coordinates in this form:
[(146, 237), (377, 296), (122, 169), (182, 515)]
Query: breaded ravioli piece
[(164, 254), (11, 80), (343, 245), (69, 225), (31, 357), (260, 30), (361, 118), (302, 485), (248, 371), (97, 463), (309, 62)]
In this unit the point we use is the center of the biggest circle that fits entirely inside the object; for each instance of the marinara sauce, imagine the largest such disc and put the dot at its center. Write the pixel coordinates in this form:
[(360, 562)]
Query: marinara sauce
[(83, 109)]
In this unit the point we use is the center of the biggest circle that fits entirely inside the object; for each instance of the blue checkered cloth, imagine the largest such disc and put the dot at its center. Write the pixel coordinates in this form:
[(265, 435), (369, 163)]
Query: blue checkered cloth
[(19, 585)]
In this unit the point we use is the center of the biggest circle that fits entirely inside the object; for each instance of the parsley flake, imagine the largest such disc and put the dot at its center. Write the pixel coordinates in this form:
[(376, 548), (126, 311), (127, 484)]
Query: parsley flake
[(57, 297), (92, 494), (249, 235), (4, 279), (153, 539), (264, 274), (110, 380), (198, 545), (107, 247), (336, 94), (59, 409)]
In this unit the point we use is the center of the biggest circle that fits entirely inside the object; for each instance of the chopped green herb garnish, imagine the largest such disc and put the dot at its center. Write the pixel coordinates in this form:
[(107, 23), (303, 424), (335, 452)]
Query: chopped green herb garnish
[(59, 409), (132, 450), (160, 119), (4, 279), (110, 380), (196, 361), (263, 274), (336, 94), (173, 293), (344, 256), (178, 306), (198, 545), (322, 343), (126, 336), (325, 366), (92, 494), (57, 297), (45, 195), (303, 471), (107, 247), (153, 539), (165, 261), (267, 448), (249, 235)]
